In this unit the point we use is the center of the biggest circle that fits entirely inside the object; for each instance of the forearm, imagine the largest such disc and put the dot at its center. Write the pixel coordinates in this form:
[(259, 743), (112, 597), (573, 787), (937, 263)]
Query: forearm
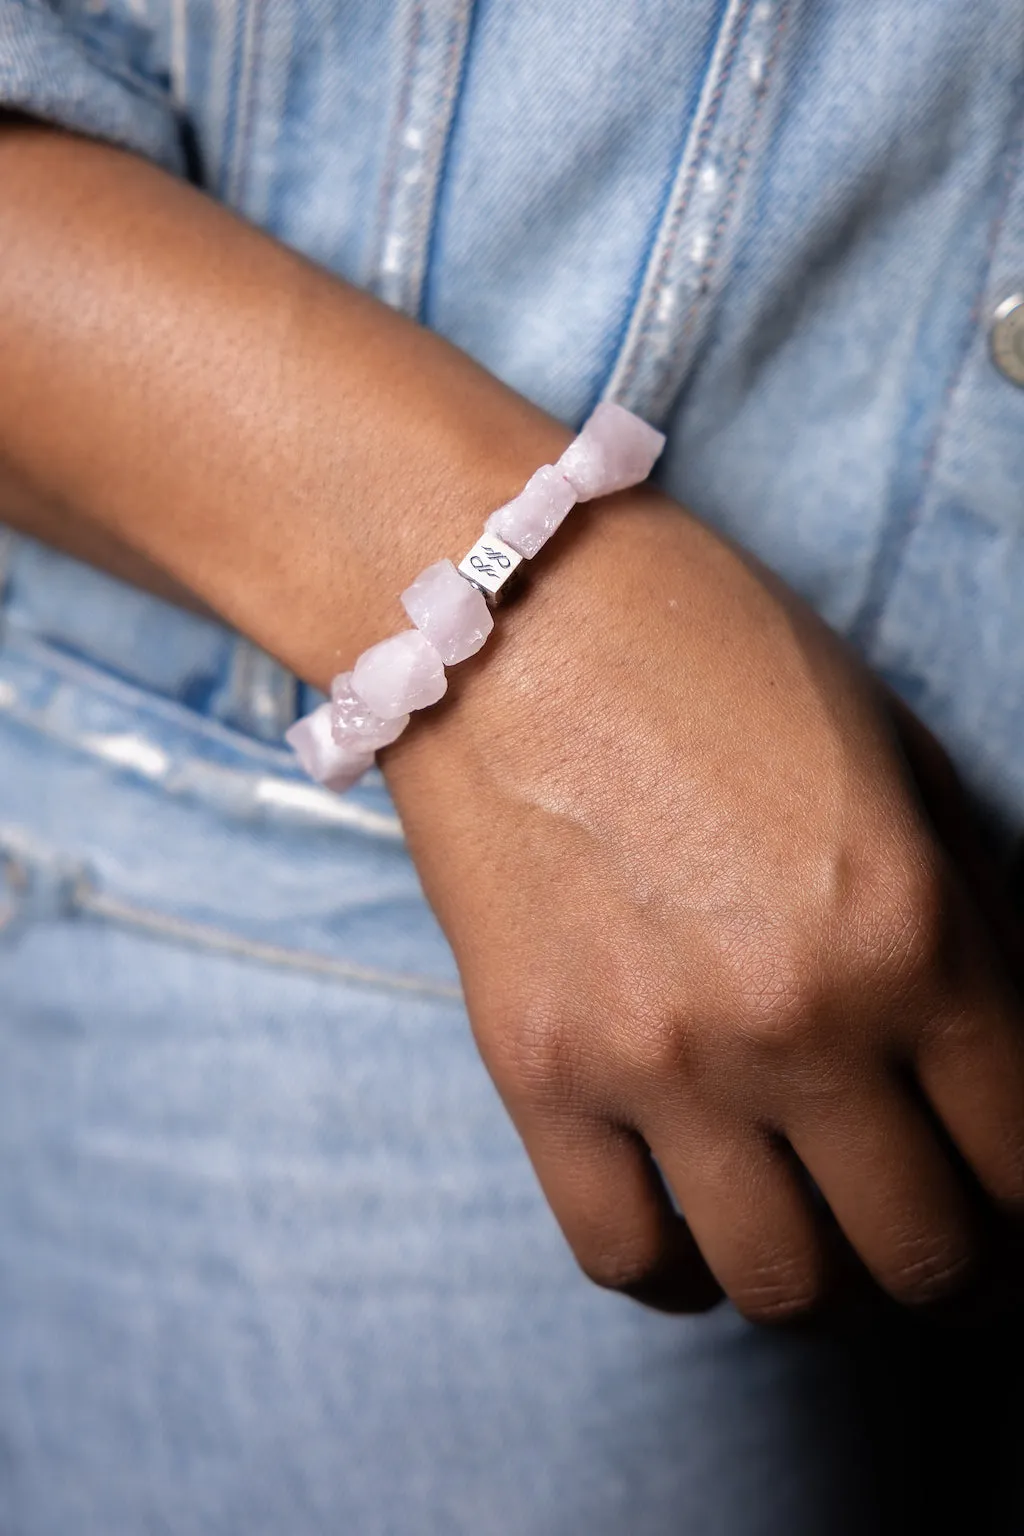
[(286, 448), (26, 511)]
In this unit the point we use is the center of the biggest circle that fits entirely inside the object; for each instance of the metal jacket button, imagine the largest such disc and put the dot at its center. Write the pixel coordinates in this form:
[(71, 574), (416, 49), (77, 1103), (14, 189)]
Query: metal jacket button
[(1007, 338)]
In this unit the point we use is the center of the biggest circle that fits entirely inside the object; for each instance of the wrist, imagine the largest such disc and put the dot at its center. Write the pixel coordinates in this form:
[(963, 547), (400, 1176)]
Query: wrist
[(372, 702), (585, 595), (284, 447)]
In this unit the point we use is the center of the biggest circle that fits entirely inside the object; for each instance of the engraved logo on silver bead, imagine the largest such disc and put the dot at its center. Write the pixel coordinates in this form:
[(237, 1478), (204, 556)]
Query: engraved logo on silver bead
[(490, 565)]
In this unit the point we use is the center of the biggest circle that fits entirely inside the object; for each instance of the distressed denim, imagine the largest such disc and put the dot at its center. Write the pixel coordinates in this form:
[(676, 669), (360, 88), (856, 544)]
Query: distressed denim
[(271, 1259)]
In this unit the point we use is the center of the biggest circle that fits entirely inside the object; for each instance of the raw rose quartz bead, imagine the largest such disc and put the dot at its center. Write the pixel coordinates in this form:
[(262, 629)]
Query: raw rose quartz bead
[(399, 674), (336, 767), (451, 613), (353, 721), (614, 451), (529, 520)]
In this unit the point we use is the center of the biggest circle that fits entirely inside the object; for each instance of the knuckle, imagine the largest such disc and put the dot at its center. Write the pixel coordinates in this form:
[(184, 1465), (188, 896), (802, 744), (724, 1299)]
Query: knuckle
[(534, 1054), (620, 1267), (889, 938), (929, 1271), (1007, 1181), (902, 925), (779, 1006), (657, 1045), (779, 1294)]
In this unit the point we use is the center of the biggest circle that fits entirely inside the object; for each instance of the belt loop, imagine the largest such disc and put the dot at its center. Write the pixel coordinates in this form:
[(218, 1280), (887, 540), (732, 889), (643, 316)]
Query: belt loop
[(436, 35), (6, 551), (259, 696), (7, 542)]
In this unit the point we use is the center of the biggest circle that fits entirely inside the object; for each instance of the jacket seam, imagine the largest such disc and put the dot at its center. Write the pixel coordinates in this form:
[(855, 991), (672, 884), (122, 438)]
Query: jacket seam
[(638, 351), (900, 531)]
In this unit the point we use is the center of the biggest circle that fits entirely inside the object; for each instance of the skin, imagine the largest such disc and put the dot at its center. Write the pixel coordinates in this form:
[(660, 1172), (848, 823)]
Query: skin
[(717, 936)]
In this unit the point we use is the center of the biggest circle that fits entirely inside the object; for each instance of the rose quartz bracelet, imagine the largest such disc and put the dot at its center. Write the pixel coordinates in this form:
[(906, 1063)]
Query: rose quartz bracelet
[(451, 608)]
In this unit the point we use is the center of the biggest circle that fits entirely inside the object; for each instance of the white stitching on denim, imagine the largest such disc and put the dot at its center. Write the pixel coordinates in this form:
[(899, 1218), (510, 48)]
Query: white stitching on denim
[(95, 904), (435, 37), (40, 882), (179, 49), (675, 299)]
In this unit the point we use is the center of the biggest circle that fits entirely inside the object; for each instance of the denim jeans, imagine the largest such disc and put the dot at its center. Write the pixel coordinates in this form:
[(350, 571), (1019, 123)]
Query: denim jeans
[(271, 1259)]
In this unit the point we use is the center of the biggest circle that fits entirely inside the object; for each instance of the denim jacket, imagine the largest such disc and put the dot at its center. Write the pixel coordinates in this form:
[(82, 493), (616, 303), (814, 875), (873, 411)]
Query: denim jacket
[(778, 228)]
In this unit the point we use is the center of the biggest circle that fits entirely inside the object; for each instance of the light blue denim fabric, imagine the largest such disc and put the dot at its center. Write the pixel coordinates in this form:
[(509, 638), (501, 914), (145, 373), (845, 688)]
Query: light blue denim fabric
[(777, 227), (271, 1259)]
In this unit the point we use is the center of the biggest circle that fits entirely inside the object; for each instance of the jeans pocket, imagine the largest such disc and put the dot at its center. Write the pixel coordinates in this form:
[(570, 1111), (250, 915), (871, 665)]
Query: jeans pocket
[(125, 808)]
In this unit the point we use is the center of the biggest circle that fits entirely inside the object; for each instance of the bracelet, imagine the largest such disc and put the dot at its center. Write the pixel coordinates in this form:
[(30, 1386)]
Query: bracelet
[(450, 606)]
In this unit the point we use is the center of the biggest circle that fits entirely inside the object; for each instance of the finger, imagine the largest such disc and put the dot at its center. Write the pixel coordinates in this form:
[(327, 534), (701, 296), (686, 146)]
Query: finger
[(892, 1191), (958, 827), (751, 1215), (971, 1070), (610, 1202)]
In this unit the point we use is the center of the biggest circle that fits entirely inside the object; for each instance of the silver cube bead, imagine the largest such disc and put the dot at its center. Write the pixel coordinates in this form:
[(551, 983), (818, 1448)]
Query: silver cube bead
[(490, 565)]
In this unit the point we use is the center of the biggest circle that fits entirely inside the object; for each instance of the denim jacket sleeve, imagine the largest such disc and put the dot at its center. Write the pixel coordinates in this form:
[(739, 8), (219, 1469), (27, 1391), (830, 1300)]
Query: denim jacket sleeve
[(85, 66)]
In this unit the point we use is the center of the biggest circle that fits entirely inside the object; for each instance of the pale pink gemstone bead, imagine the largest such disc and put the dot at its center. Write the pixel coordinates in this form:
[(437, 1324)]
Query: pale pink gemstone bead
[(451, 613), (529, 520), (336, 767), (399, 674), (353, 721), (614, 451)]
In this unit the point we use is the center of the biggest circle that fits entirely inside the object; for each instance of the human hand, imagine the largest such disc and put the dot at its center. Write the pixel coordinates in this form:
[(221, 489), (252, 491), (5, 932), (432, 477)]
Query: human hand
[(697, 906), (705, 926)]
